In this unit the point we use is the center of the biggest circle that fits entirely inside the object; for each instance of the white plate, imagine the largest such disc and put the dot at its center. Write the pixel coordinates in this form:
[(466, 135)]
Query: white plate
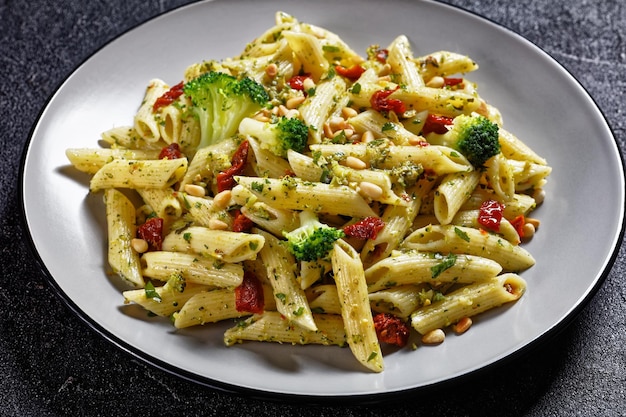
[(581, 220)]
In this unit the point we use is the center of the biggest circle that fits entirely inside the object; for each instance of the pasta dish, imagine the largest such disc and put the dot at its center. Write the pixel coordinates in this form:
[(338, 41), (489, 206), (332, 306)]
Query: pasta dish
[(314, 195)]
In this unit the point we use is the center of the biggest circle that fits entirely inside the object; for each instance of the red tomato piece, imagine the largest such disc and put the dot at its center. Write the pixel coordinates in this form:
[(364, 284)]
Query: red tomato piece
[(297, 81), (490, 214), (352, 73), (391, 329), (171, 151), (152, 232), (241, 222), (519, 223), (225, 179), (382, 55), (449, 82), (436, 124), (249, 295), (367, 228), (381, 102), (168, 97)]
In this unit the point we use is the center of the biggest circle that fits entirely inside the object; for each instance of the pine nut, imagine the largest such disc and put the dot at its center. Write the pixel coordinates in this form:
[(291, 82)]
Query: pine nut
[(355, 163), (337, 123), (462, 325), (308, 84), (539, 195), (282, 110), (370, 190), (435, 82), (328, 132), (347, 133), (139, 245), (528, 230), (533, 221), (222, 200), (261, 117), (348, 112), (385, 70), (367, 136), (195, 190), (215, 224), (271, 70), (434, 337), (294, 102), (292, 113)]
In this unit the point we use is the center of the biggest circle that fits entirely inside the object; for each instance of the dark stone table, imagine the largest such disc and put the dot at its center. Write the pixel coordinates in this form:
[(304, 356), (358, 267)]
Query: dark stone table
[(53, 364)]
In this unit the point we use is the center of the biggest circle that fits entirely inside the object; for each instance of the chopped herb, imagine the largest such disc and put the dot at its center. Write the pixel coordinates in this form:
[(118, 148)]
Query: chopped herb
[(389, 126), (256, 186), (187, 236), (460, 233), (281, 296), (372, 356), (151, 292), (330, 48), (446, 263), (298, 312), (356, 88)]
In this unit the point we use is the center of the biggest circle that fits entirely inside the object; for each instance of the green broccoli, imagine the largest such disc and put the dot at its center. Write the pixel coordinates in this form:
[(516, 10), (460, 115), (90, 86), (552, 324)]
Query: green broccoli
[(221, 101), (277, 136), (476, 137), (312, 240)]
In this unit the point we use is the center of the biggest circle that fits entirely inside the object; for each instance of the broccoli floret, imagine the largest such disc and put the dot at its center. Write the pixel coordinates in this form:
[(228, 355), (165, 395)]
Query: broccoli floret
[(476, 137), (312, 240), (277, 136), (221, 101)]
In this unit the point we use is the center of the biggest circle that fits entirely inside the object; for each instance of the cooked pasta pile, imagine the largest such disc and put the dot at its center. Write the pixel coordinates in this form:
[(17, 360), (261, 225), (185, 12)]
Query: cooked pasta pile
[(418, 227)]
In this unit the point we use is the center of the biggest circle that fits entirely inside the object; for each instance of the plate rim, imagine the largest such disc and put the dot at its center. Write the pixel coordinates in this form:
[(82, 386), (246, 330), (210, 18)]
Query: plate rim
[(364, 398)]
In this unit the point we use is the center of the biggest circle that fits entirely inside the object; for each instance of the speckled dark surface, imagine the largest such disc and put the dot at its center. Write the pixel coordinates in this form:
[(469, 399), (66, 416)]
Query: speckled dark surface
[(52, 364)]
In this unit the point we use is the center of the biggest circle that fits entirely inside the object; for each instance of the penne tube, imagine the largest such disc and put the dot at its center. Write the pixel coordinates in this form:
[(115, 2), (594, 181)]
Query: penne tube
[(400, 301), (90, 160), (432, 268), (294, 194), (197, 270), (145, 123), (271, 326), (452, 192), (221, 244), (438, 100), (459, 240), (290, 299), (324, 299), (468, 301), (121, 173), (207, 307), (121, 228), (355, 308), (444, 64), (164, 301)]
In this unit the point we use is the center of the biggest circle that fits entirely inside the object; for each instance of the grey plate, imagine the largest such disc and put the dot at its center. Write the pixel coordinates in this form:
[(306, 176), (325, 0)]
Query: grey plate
[(581, 220)]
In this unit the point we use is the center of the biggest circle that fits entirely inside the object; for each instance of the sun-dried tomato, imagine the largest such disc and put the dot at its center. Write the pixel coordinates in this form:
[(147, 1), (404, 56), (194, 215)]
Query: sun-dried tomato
[(518, 223), (152, 232), (381, 102), (352, 73), (436, 124), (171, 151), (226, 178), (249, 294), (297, 81), (241, 223), (367, 228), (490, 215), (391, 329), (168, 97)]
